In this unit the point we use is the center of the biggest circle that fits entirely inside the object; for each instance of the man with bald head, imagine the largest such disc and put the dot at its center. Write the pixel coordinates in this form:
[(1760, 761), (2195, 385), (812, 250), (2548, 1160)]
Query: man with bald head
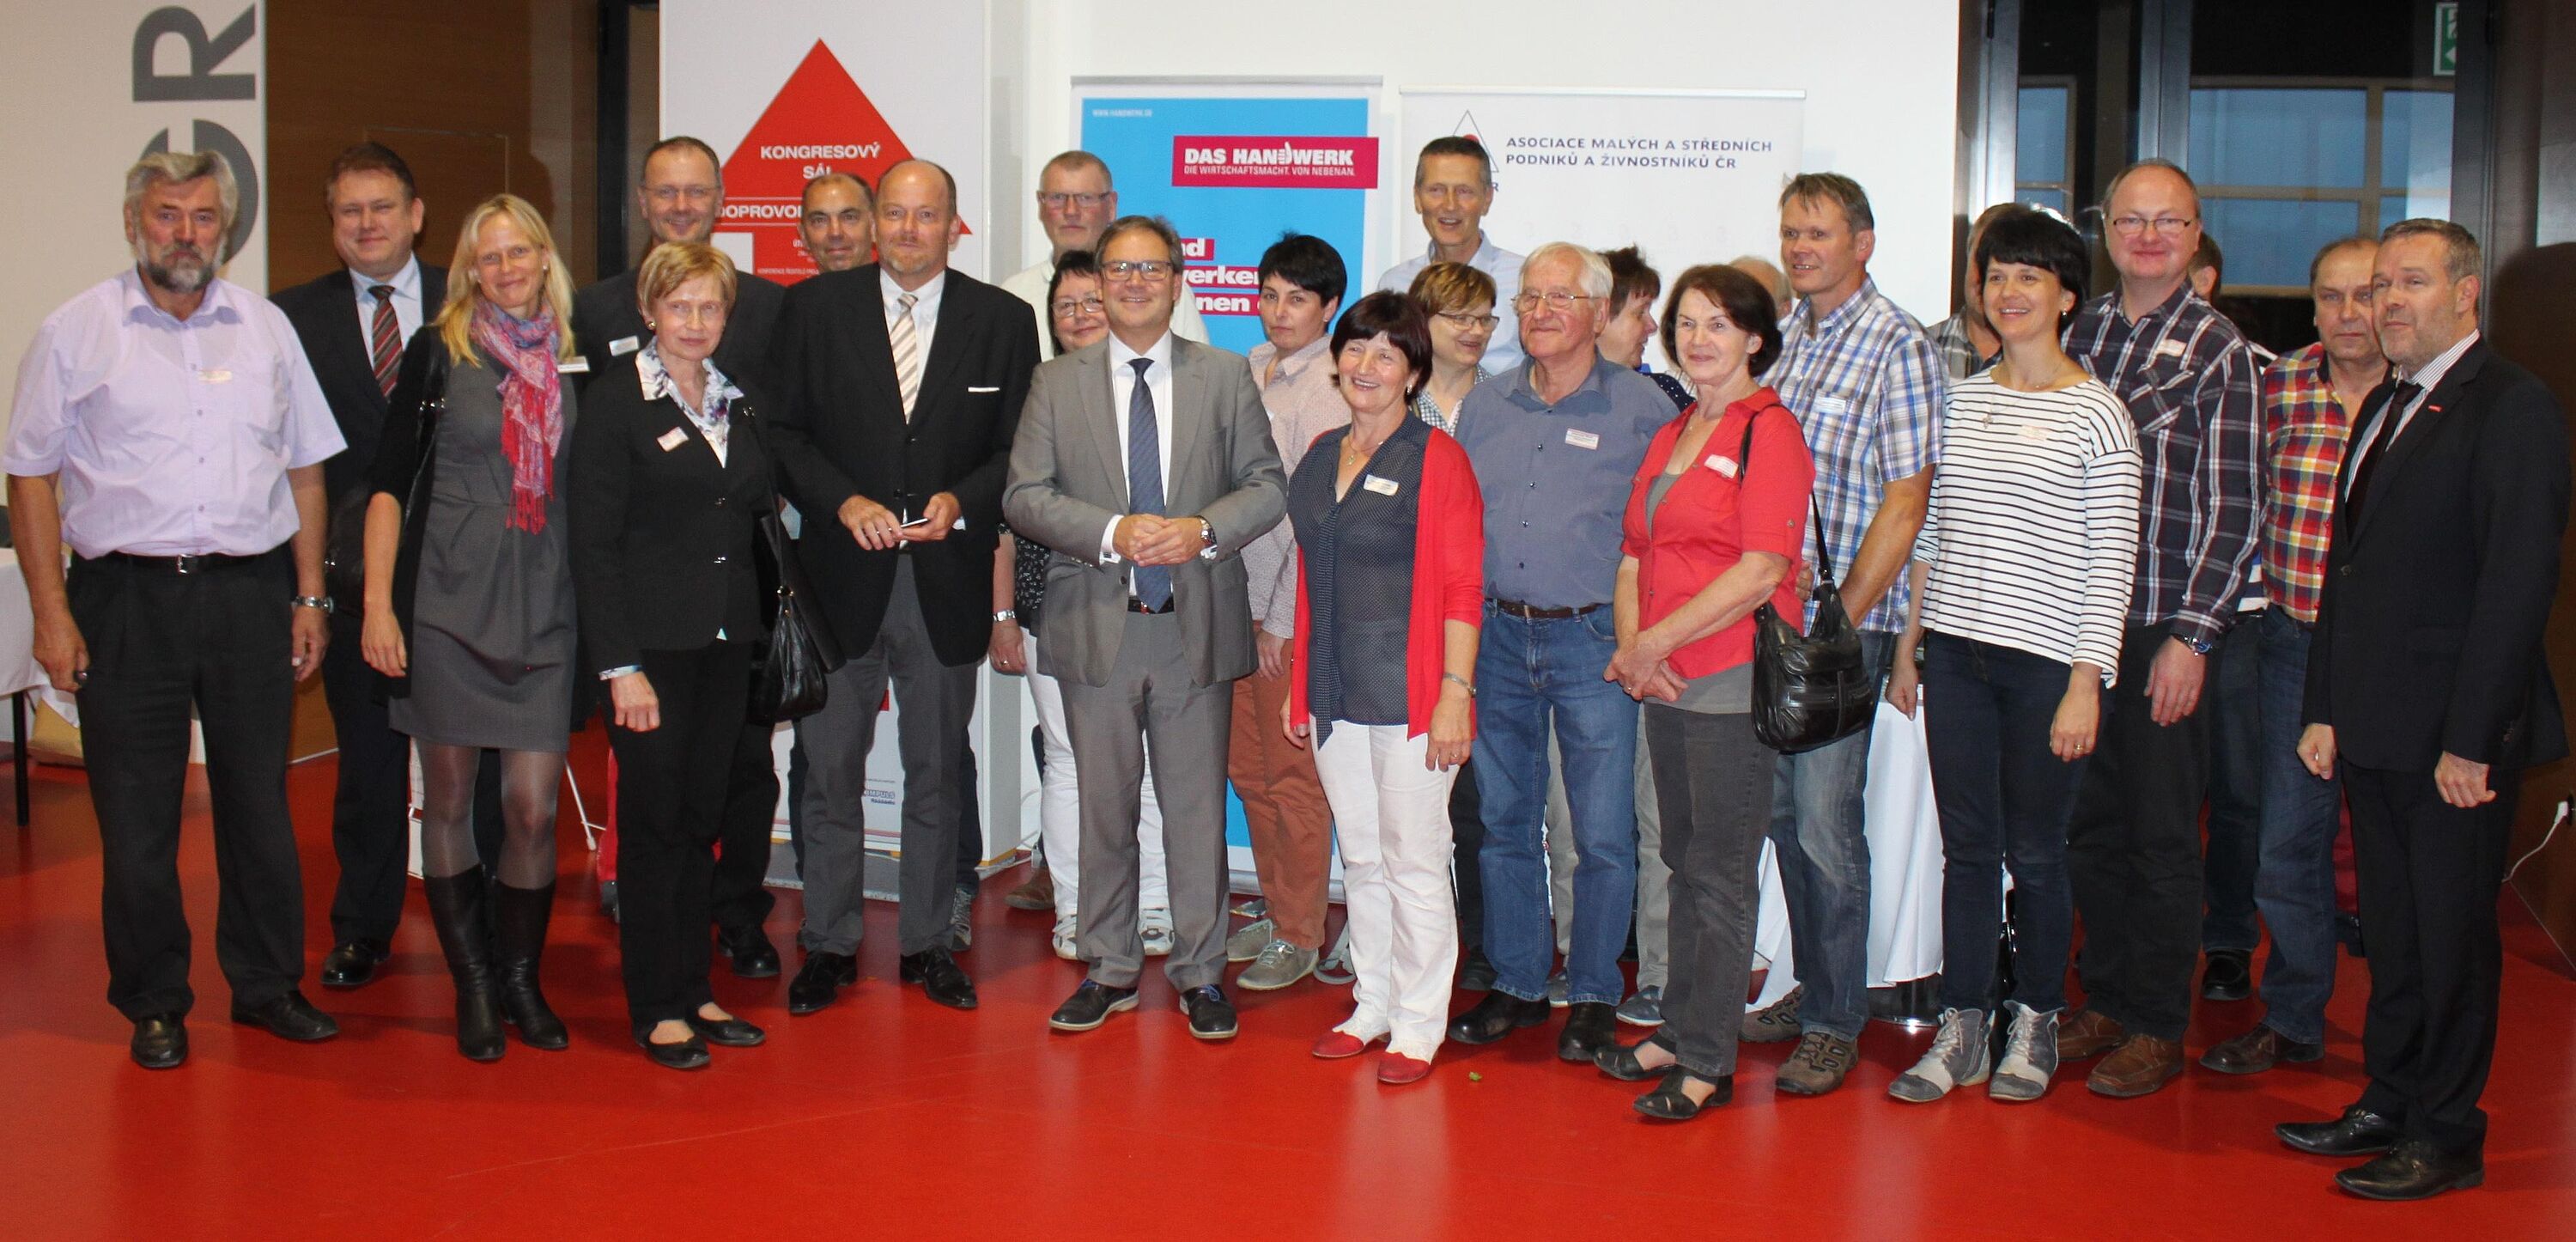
[(2133, 848), (1076, 202), (896, 387)]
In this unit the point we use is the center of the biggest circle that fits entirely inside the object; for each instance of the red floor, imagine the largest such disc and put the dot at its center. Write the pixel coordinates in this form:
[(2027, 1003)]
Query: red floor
[(888, 1113)]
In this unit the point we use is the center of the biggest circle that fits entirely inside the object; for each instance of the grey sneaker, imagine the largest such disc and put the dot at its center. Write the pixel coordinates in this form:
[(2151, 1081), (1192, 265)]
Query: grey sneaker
[(1245, 945), (961, 919), (1558, 989), (2030, 1055), (1774, 1022), (1958, 1058), (1821, 1062), (1277, 965), (1336, 969), (1646, 1008), (1155, 926)]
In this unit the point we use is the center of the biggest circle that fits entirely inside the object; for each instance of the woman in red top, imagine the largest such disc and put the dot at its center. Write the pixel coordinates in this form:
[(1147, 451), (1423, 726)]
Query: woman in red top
[(1716, 521), (1390, 595)]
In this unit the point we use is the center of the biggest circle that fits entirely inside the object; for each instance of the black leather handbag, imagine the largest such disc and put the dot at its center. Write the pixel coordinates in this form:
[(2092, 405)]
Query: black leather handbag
[(787, 678), (1811, 689)]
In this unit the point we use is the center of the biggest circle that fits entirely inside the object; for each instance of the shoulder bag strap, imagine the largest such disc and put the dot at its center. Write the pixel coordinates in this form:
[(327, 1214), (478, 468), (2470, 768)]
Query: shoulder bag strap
[(1744, 469)]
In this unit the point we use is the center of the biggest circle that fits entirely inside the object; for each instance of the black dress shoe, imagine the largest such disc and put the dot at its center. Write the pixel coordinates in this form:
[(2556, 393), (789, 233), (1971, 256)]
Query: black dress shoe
[(1499, 1014), (749, 950), (2414, 1169), (288, 1016), (730, 1033), (1668, 1102), (1590, 1026), (160, 1041), (688, 1054), (1211, 1014), (820, 981), (2359, 1132), (2258, 1050), (1090, 1005), (1620, 1060), (1477, 974), (940, 977), (352, 963), (2229, 975)]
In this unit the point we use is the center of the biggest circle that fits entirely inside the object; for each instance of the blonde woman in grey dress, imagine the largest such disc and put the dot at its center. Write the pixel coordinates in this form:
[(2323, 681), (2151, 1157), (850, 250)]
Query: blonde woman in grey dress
[(469, 603)]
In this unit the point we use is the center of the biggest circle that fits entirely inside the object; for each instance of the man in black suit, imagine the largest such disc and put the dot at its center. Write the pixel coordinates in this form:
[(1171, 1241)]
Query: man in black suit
[(2427, 679), (353, 323), (681, 194), (899, 386)]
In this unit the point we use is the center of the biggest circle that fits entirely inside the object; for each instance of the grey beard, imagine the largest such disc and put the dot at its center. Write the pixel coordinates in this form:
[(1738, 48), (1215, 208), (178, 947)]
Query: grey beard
[(181, 275)]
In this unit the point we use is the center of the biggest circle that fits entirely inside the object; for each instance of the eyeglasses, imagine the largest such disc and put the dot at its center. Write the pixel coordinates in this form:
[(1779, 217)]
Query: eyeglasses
[(2164, 226), (1055, 201), (1152, 271), (1464, 321), (1067, 308), (1528, 302)]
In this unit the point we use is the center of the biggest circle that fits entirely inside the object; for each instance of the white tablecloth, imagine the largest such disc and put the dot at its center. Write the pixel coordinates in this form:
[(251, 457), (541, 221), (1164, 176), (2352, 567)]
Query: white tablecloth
[(1904, 833)]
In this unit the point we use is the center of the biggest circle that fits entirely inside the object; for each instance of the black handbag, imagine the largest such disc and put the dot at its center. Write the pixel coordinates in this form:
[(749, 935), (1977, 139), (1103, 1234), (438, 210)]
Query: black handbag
[(1811, 689), (787, 675)]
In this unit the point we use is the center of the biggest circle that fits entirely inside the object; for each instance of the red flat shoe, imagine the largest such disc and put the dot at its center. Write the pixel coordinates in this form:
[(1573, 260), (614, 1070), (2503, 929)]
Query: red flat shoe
[(1335, 1045), (1396, 1069)]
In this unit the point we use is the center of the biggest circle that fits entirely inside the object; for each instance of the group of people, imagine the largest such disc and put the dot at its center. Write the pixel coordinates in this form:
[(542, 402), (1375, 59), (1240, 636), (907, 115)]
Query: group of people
[(1454, 527)]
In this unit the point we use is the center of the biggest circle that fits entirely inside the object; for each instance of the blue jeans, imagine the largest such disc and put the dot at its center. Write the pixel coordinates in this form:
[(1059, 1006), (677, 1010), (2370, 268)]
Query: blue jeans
[(2294, 885), (2238, 716), (1817, 817), (1529, 673), (2004, 801)]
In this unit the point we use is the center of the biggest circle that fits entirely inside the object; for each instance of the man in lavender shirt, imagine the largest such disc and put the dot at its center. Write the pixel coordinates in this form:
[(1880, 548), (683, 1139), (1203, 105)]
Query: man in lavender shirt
[(177, 416)]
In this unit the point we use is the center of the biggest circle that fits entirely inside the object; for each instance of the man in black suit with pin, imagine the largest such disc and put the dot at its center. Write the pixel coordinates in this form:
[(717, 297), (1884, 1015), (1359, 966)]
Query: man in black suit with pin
[(2427, 681)]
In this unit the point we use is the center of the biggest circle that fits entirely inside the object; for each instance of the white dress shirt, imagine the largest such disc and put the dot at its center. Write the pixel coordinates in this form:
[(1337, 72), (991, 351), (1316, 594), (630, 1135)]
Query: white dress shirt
[(2428, 378), (1122, 389), (407, 308), (925, 308)]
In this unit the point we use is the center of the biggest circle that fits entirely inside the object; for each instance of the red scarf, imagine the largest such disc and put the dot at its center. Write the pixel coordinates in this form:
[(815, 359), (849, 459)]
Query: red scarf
[(531, 404)]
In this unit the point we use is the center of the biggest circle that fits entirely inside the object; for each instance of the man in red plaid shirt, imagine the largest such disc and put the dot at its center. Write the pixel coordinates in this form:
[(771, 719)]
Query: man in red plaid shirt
[(2308, 400)]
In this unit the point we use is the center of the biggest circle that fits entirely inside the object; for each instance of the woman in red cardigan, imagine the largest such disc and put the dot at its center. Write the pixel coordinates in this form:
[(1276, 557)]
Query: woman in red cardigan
[(1716, 524), (1390, 590)]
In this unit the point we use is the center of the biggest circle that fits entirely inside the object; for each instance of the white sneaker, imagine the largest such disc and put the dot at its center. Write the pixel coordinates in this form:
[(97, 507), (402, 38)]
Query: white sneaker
[(1064, 930), (1156, 929)]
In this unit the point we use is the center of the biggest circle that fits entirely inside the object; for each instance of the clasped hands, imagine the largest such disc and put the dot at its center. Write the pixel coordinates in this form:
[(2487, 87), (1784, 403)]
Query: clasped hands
[(878, 529), (1152, 539), (1641, 668)]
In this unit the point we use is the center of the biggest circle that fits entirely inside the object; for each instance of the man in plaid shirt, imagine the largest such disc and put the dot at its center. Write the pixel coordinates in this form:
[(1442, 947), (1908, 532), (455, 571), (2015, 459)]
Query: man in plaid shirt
[(2133, 846), (2308, 401), (1867, 388)]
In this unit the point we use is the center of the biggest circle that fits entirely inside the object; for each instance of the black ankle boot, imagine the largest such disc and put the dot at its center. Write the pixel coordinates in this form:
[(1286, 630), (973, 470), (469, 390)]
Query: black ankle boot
[(456, 908), (519, 917)]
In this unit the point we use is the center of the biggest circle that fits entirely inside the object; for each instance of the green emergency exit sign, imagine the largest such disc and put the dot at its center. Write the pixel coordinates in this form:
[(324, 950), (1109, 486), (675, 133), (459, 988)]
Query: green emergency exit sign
[(2446, 39)]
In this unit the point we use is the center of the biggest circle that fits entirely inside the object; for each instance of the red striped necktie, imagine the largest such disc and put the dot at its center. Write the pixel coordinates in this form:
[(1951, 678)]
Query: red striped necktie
[(384, 338)]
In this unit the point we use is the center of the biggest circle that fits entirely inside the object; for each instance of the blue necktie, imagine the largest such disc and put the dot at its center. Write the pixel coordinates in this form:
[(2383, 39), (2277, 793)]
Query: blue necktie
[(1152, 583)]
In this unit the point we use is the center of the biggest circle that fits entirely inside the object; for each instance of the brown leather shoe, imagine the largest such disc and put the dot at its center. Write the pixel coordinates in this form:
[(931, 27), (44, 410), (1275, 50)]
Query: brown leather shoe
[(2258, 1050), (1036, 893), (2088, 1034), (2141, 1065)]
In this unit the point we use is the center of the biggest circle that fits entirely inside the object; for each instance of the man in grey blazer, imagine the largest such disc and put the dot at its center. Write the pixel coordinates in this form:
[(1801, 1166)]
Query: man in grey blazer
[(1145, 462)]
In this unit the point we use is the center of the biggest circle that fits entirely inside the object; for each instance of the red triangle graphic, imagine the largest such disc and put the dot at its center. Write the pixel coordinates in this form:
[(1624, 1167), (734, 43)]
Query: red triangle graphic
[(819, 121)]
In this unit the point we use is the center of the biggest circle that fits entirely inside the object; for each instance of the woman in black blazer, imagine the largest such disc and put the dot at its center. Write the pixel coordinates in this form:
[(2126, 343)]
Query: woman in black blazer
[(669, 481)]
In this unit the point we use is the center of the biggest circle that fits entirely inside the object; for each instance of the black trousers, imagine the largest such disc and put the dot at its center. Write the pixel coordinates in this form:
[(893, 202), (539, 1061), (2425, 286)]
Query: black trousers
[(2231, 696), (672, 785), (370, 806), (160, 643), (1713, 789), (741, 898), (2429, 874), (1467, 831), (2133, 853)]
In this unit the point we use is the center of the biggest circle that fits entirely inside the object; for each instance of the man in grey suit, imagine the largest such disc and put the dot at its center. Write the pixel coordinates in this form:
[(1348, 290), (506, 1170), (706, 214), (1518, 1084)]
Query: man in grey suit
[(1145, 462)]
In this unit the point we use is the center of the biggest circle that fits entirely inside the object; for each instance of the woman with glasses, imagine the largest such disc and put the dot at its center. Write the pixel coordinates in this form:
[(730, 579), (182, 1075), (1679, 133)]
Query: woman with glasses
[(1460, 301)]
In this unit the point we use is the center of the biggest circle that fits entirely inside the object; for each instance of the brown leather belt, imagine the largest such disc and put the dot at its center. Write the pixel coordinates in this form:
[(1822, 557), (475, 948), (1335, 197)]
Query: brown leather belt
[(1528, 612)]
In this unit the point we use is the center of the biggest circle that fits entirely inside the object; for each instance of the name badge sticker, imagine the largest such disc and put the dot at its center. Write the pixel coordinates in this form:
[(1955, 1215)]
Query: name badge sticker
[(1831, 405), (1383, 487), (2170, 349), (2036, 432), (1724, 465), (623, 346), (215, 375), (1583, 439), (672, 439), (578, 366)]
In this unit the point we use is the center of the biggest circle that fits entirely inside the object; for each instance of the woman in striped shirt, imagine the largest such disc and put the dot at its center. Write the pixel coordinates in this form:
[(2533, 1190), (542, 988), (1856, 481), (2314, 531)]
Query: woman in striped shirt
[(2021, 581)]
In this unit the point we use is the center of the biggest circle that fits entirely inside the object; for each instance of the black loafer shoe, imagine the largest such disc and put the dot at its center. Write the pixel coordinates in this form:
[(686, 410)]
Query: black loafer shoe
[(160, 1041), (1590, 1026), (1211, 1014), (752, 955), (1477, 974), (688, 1054), (820, 980), (2228, 977), (2359, 1132), (940, 977), (289, 1016), (1090, 1005), (1620, 1060), (2258, 1050), (2413, 1169), (730, 1033), (1499, 1014), (352, 963), (1668, 1102)]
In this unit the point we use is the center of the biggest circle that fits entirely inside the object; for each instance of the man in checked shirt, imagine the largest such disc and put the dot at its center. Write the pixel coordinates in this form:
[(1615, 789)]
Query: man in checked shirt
[(2133, 847)]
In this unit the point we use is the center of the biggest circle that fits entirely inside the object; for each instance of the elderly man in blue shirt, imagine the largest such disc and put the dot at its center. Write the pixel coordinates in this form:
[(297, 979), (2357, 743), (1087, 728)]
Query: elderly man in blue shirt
[(1555, 442)]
